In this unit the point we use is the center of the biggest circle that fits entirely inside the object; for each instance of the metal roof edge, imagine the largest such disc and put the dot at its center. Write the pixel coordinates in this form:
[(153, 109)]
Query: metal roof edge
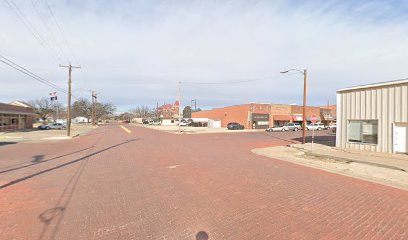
[(373, 85)]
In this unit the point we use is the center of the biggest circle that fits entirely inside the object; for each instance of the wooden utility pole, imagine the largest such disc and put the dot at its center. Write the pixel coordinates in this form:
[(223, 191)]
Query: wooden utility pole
[(69, 97), (304, 105), (94, 117), (179, 106)]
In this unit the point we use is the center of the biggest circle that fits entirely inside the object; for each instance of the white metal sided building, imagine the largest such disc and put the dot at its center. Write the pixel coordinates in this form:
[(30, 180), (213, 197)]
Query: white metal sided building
[(374, 117)]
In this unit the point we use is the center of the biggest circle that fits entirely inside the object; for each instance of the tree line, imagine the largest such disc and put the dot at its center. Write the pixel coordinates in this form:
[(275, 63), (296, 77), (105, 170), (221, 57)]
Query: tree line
[(45, 108)]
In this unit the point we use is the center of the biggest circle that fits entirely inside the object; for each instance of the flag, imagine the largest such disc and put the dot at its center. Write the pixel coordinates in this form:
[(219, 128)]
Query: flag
[(53, 96)]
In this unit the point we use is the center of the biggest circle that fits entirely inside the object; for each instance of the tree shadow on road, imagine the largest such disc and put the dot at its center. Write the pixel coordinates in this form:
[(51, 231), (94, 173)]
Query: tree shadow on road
[(52, 218), (36, 160), (6, 143), (63, 165)]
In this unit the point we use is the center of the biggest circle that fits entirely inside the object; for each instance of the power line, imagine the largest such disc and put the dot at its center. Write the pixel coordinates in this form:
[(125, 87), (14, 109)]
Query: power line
[(234, 82), (32, 75), (44, 23), (61, 32), (29, 73), (27, 24)]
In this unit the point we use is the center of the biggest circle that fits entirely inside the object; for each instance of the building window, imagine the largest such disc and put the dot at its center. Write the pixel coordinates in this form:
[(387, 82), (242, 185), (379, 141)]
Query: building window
[(363, 131)]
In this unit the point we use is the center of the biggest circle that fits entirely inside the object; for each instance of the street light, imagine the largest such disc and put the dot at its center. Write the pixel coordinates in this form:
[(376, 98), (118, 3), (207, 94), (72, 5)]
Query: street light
[(304, 72)]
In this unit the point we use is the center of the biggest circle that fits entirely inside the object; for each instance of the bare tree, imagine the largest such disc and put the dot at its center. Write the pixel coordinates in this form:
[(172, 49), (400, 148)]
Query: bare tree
[(142, 112), (44, 107), (82, 108), (105, 110)]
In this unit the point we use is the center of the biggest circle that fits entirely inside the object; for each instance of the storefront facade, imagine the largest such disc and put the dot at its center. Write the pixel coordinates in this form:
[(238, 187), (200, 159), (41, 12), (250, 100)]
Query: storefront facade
[(15, 117), (258, 115)]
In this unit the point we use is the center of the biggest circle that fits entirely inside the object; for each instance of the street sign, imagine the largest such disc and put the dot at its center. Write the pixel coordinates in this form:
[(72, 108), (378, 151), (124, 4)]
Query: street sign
[(313, 118)]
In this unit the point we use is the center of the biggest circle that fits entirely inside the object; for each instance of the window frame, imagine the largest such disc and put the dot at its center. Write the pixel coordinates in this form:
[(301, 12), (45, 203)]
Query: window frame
[(362, 120)]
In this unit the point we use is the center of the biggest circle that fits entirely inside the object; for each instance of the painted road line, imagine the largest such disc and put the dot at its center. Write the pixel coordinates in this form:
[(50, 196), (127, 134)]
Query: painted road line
[(127, 130)]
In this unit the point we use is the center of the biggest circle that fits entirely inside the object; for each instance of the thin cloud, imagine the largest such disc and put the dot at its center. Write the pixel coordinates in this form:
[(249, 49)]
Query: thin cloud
[(123, 46)]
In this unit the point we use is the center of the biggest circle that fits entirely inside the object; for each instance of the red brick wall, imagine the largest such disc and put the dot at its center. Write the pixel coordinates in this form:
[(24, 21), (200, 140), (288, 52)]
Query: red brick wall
[(240, 113), (309, 110), (237, 114)]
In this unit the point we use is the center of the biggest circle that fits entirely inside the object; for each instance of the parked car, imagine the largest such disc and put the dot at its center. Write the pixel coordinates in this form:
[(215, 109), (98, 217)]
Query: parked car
[(293, 126), (52, 126), (331, 125), (183, 122), (234, 126), (316, 126), (277, 129)]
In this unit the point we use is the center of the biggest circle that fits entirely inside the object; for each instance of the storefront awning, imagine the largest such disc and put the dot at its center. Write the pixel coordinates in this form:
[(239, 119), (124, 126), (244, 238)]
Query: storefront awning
[(281, 118)]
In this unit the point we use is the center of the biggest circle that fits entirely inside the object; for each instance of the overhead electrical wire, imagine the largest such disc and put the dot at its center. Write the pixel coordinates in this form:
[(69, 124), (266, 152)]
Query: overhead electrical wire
[(234, 82), (61, 32), (44, 23), (29, 73), (27, 24)]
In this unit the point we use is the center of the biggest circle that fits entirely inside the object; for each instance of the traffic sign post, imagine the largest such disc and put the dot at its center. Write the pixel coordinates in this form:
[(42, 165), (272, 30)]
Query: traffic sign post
[(313, 119)]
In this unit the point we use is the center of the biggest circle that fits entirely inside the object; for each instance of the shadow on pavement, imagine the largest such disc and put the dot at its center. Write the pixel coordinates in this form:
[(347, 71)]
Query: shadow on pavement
[(329, 140), (201, 236), (274, 135), (6, 143), (37, 159), (64, 164)]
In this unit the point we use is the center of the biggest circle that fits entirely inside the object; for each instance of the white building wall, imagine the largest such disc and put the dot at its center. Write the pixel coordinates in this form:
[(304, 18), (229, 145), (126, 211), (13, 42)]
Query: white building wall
[(388, 104)]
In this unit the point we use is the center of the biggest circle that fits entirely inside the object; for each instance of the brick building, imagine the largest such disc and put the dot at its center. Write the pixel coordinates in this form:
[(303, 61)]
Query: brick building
[(16, 116), (168, 111), (259, 116), (328, 114)]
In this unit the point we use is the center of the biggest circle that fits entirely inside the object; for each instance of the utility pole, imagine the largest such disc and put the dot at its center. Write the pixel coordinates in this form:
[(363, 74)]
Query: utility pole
[(304, 72), (69, 96), (179, 110), (195, 104), (304, 105), (94, 98)]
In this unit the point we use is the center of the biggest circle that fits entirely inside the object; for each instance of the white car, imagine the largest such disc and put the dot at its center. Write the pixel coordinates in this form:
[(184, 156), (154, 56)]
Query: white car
[(277, 129), (316, 126)]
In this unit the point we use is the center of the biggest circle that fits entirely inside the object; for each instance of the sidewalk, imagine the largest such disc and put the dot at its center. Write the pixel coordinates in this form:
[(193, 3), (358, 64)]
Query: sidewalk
[(387, 169), (36, 135), (195, 130)]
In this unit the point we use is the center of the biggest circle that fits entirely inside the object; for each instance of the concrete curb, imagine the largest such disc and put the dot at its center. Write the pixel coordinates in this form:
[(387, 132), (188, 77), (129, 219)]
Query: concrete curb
[(348, 160)]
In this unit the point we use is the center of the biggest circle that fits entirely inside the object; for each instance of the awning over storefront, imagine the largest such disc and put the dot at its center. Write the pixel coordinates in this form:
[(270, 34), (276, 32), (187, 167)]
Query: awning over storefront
[(297, 118), (282, 118)]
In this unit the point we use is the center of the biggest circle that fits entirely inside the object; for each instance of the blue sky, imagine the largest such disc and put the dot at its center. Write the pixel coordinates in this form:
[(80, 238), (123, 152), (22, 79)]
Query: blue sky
[(134, 52)]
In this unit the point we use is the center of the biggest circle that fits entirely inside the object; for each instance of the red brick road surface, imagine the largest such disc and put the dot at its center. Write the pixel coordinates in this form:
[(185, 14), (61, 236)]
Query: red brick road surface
[(154, 185)]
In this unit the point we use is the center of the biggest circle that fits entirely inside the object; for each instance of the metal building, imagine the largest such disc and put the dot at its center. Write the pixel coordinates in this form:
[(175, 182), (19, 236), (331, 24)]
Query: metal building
[(374, 117)]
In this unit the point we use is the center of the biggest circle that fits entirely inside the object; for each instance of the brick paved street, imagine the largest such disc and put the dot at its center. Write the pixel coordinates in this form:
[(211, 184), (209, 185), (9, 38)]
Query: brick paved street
[(155, 185)]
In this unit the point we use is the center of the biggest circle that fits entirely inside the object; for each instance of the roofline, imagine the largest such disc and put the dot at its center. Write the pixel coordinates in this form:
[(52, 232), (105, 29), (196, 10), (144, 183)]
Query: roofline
[(17, 112), (373, 85)]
